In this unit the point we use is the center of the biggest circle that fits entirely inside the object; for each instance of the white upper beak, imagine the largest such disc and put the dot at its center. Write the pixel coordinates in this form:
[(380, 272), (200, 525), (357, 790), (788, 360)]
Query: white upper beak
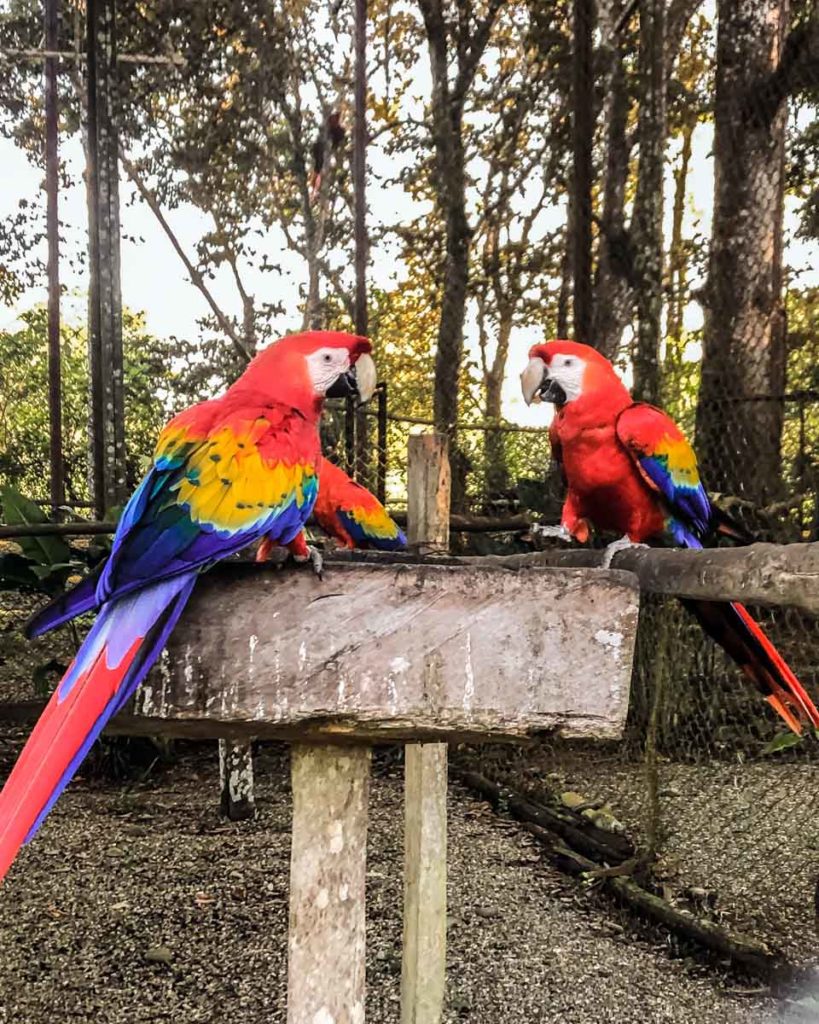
[(531, 380), (366, 377)]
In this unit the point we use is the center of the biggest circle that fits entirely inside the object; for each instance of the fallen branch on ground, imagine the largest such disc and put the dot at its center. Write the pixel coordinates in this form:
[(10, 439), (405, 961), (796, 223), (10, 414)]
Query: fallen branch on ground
[(742, 949), (605, 847)]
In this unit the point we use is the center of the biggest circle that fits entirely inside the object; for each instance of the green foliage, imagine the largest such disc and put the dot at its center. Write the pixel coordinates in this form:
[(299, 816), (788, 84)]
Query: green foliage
[(19, 511), (782, 741), (161, 376)]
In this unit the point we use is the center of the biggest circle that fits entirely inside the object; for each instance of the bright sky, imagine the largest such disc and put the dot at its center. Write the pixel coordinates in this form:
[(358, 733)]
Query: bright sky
[(153, 279)]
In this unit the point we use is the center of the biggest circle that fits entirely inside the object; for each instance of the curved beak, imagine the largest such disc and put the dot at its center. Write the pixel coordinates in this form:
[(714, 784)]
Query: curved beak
[(360, 380), (533, 379)]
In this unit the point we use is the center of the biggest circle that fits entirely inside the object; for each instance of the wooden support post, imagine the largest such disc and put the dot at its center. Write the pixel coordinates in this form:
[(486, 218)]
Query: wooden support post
[(429, 484), (326, 944), (238, 800), (423, 972)]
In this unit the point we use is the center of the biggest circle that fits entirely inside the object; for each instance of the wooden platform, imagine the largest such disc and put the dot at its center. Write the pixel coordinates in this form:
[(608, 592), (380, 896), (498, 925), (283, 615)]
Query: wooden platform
[(381, 653)]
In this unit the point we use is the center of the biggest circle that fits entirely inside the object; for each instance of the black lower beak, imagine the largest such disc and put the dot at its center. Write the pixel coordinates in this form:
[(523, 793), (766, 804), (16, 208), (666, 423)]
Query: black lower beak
[(344, 386), (551, 391)]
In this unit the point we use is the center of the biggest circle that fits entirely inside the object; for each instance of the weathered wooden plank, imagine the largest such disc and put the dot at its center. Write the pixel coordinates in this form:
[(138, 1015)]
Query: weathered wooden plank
[(326, 944), (403, 651), (423, 973), (238, 799)]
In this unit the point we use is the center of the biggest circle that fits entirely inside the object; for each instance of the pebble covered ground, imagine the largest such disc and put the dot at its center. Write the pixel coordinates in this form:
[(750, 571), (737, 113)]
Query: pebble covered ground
[(140, 905)]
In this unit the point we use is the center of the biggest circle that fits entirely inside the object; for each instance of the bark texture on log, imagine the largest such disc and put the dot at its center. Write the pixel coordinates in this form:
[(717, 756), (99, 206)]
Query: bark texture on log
[(765, 574)]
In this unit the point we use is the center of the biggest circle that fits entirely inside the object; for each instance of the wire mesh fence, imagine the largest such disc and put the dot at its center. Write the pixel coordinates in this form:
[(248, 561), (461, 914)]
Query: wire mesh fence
[(704, 774)]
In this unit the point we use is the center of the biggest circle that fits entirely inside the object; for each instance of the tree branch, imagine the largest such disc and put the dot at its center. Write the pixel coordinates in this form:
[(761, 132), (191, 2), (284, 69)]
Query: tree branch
[(798, 69), (468, 64), (196, 277)]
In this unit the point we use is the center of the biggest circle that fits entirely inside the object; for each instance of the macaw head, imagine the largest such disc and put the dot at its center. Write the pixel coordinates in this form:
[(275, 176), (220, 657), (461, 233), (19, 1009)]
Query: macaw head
[(563, 371), (304, 369)]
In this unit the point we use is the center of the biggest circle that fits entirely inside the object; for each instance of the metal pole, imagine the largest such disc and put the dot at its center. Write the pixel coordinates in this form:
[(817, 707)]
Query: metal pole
[(52, 169), (381, 475), (360, 214)]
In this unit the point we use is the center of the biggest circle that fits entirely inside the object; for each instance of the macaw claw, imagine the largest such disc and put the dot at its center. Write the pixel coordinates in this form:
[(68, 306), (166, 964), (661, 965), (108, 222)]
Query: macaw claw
[(558, 532), (623, 544)]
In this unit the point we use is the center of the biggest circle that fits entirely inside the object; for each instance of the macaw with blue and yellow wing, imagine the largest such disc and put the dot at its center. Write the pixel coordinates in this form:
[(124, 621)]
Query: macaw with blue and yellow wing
[(630, 470), (225, 473), (351, 514)]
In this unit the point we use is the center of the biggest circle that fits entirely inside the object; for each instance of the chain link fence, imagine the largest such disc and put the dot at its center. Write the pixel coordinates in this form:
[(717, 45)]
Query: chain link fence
[(705, 777)]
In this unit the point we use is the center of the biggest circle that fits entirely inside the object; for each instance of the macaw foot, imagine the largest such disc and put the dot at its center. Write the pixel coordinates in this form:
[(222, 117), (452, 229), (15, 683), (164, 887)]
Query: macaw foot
[(618, 545), (559, 532), (269, 551), (314, 557)]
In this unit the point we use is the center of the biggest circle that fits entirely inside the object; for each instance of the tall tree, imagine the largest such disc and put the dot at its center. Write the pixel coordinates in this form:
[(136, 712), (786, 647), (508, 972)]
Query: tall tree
[(519, 146), (648, 201), (457, 37), (740, 409)]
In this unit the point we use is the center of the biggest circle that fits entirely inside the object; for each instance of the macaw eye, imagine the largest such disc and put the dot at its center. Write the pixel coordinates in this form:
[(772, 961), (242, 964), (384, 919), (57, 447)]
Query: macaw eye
[(328, 357)]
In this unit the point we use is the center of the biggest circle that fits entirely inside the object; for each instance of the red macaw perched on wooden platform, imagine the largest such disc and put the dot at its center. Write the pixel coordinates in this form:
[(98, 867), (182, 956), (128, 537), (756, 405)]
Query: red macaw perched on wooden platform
[(629, 469), (225, 473), (347, 512)]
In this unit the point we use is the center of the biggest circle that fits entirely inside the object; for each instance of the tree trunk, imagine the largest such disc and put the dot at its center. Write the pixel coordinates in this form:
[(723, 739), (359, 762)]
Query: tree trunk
[(582, 172), (565, 293), (497, 475), (647, 233), (447, 110), (677, 273), (740, 410), (614, 270), (450, 349)]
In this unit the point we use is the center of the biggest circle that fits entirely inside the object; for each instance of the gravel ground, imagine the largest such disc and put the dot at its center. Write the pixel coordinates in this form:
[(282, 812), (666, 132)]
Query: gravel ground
[(745, 836), (140, 905), (21, 659)]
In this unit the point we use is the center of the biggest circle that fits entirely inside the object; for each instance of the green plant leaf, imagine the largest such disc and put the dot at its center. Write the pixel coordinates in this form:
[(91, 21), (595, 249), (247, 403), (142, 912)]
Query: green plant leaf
[(782, 741), (19, 511), (17, 571), (45, 677)]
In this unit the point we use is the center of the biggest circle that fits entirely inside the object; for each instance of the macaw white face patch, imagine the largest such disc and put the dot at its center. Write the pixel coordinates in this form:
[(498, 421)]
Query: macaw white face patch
[(325, 366), (568, 372)]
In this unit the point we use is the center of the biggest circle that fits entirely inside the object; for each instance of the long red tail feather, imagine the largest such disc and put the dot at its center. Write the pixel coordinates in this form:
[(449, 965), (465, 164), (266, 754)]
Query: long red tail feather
[(115, 656), (742, 637)]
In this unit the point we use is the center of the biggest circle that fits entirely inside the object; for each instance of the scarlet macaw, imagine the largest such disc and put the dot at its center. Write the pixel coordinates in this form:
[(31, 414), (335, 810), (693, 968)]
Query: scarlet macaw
[(629, 469), (225, 473), (347, 512)]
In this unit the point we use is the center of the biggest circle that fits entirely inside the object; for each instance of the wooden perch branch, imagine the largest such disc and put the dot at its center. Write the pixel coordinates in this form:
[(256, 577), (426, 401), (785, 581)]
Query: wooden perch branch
[(766, 574)]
